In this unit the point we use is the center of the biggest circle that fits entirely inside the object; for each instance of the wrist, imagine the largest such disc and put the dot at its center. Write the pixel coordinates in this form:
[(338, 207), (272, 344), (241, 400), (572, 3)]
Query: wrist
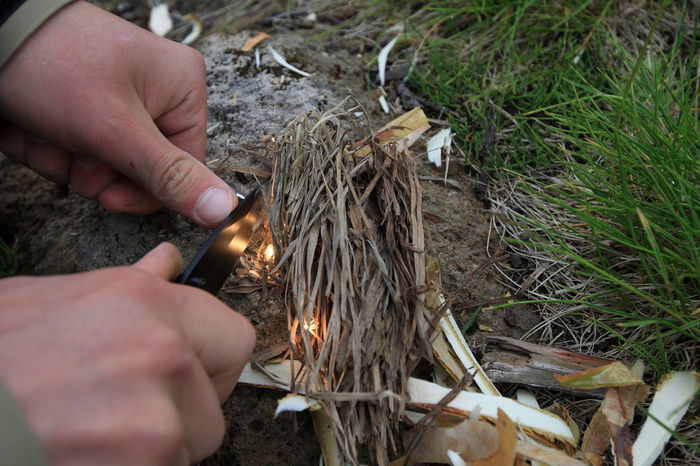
[(21, 23)]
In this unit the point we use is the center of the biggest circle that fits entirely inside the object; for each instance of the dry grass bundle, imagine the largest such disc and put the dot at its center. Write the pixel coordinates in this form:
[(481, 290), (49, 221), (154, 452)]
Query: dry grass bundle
[(347, 227)]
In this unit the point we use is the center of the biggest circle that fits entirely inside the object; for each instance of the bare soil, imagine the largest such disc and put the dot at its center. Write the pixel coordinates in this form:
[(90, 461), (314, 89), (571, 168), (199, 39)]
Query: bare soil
[(59, 232)]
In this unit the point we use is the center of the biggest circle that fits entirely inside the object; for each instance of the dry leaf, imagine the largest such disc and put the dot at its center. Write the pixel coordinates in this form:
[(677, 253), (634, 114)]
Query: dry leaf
[(472, 439), (507, 440), (618, 409), (618, 405), (563, 413), (610, 424), (253, 41), (615, 374), (596, 439), (546, 455)]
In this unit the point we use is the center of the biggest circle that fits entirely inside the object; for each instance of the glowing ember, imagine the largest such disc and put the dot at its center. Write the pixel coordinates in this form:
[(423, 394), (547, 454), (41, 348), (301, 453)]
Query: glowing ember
[(269, 253)]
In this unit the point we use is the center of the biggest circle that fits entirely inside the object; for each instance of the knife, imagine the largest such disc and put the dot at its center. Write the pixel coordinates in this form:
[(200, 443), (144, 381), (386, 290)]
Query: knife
[(219, 254)]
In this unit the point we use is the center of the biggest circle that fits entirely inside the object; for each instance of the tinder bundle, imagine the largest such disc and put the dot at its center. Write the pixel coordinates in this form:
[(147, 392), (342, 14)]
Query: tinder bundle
[(347, 226)]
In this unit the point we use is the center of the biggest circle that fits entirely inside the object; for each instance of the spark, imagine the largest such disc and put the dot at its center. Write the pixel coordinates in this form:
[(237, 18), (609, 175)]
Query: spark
[(269, 253)]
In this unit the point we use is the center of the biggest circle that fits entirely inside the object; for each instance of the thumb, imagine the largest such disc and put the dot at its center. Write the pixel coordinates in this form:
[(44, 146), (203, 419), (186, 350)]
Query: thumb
[(177, 179), (163, 261)]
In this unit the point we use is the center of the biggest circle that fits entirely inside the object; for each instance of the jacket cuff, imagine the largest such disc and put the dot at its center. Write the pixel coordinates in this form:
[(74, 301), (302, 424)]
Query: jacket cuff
[(18, 445), (23, 22)]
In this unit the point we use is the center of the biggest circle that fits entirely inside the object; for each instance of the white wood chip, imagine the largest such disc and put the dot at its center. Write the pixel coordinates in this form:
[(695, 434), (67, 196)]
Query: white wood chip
[(291, 402), (384, 104), (422, 392), (443, 138), (455, 458), (280, 59), (196, 30), (160, 21), (527, 398), (463, 352), (381, 59), (670, 403)]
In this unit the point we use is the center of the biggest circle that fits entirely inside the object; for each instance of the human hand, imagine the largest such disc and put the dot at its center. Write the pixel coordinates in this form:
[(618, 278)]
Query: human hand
[(114, 111), (120, 366)]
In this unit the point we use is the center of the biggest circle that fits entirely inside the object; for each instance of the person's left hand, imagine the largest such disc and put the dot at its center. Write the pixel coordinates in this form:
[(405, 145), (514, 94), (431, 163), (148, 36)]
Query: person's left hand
[(114, 111)]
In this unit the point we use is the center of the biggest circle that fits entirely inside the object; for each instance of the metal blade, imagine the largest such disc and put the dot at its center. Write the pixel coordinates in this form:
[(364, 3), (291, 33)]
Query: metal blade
[(218, 255)]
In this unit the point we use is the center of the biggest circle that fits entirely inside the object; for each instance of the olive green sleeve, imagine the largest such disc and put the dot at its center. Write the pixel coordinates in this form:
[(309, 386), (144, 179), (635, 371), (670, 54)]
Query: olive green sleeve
[(23, 22), (18, 445)]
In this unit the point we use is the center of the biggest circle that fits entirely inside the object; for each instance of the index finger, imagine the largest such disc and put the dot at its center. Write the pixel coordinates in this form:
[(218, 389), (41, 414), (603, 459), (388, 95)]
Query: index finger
[(221, 338), (164, 260)]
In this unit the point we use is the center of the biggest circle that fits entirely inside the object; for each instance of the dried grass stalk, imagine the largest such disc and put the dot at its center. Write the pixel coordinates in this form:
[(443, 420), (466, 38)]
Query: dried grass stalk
[(347, 228)]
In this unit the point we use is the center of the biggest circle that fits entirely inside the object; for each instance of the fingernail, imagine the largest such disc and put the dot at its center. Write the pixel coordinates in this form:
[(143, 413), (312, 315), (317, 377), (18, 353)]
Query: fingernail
[(214, 205)]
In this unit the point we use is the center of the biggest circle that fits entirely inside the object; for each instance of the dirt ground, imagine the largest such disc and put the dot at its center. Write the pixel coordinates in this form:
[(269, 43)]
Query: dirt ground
[(58, 232)]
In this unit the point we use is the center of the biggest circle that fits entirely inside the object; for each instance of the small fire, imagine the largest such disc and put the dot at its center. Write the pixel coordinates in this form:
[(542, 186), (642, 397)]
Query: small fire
[(269, 253), (311, 327)]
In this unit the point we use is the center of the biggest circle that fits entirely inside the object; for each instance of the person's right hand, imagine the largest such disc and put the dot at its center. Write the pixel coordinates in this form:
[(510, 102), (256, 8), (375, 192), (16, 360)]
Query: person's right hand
[(120, 366)]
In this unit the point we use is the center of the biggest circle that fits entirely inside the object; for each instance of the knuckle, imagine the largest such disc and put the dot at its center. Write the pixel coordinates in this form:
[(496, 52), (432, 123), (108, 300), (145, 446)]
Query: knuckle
[(172, 176), (135, 284), (249, 336), (168, 355), (198, 62)]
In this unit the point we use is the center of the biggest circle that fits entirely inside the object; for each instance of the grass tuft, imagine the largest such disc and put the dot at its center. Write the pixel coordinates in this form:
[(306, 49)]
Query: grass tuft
[(593, 110), (631, 180)]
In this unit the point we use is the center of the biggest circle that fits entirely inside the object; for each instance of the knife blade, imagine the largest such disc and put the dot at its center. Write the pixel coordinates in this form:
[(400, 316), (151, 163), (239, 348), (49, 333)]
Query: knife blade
[(218, 255)]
